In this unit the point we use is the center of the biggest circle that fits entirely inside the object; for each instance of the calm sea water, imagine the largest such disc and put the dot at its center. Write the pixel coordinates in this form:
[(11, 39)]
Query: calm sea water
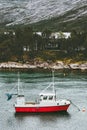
[(72, 86)]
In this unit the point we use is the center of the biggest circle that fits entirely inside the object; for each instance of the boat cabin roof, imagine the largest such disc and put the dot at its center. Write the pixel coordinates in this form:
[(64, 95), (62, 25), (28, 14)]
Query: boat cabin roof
[(47, 94)]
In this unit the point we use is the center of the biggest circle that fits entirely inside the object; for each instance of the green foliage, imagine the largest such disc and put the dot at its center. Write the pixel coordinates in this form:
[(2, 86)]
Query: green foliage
[(37, 46)]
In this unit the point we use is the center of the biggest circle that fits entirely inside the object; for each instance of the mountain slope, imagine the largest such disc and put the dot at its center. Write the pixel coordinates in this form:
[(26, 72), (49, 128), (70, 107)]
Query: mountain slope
[(75, 19), (14, 12)]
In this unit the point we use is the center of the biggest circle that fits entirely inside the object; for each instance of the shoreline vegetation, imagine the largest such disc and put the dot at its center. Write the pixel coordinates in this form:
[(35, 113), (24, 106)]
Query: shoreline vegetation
[(27, 49), (58, 65)]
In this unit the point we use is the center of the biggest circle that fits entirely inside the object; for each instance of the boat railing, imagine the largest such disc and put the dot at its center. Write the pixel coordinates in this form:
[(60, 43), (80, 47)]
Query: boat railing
[(33, 103)]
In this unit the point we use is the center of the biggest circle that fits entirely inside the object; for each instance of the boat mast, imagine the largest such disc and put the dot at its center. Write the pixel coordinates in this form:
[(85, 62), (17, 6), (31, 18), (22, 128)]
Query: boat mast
[(53, 83), (50, 85), (53, 79), (18, 84)]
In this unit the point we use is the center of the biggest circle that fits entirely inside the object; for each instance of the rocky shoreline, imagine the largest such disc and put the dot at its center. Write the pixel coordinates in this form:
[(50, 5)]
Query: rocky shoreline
[(59, 65)]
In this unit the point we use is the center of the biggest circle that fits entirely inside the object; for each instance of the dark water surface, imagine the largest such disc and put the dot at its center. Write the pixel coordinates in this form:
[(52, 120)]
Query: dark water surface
[(72, 86)]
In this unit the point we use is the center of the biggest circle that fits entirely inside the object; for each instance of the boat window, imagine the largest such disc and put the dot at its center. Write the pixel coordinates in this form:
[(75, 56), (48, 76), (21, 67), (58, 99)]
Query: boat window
[(45, 98), (57, 103), (50, 97)]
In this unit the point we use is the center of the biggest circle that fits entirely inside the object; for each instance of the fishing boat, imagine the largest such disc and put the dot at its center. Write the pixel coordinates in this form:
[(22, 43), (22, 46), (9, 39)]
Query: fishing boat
[(47, 101)]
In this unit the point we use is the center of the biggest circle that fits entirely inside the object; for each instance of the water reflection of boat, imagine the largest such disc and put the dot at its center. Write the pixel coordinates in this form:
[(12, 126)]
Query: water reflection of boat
[(44, 116), (47, 102)]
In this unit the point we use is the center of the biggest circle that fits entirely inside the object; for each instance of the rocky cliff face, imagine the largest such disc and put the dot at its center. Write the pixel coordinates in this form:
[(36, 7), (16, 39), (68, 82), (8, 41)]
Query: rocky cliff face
[(30, 11)]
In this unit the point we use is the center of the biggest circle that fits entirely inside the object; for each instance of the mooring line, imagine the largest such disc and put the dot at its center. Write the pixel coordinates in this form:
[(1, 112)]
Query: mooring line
[(75, 105)]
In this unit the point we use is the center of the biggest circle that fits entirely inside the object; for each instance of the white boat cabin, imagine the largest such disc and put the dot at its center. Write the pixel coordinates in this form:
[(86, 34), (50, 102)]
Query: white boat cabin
[(20, 100), (47, 96)]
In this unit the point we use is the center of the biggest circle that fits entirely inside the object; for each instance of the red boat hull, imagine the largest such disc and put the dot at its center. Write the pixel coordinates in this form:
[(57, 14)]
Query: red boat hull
[(42, 109)]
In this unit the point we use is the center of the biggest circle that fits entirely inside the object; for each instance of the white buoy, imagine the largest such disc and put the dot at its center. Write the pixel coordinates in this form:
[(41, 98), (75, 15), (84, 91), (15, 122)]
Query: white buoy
[(83, 110)]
